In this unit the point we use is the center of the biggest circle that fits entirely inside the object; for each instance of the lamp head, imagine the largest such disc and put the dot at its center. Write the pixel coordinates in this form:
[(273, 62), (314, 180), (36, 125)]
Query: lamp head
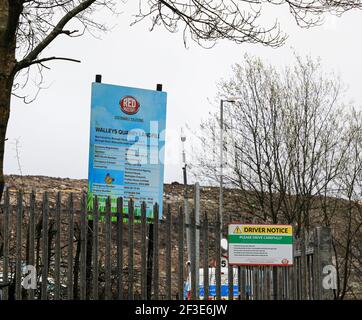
[(183, 136), (232, 99)]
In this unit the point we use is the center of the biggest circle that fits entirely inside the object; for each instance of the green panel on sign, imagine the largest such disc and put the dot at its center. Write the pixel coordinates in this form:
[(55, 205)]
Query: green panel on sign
[(260, 239)]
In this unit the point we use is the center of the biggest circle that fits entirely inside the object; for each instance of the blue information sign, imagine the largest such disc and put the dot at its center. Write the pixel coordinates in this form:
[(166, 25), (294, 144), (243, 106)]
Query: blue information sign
[(127, 139)]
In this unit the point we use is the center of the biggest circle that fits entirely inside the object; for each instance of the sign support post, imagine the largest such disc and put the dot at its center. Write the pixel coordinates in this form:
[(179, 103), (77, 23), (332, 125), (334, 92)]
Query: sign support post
[(150, 243)]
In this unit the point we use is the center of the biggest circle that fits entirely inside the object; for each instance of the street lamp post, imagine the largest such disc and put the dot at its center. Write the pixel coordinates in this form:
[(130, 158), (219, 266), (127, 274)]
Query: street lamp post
[(219, 234), (222, 101), (221, 161), (186, 211)]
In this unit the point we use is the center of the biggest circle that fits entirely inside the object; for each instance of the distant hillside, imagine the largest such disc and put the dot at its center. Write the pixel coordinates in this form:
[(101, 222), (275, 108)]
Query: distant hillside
[(173, 193)]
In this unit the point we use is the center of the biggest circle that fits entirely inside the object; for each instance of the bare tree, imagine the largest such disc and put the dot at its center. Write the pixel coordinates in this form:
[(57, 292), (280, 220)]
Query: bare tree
[(27, 27), (278, 135), (347, 220), (294, 151)]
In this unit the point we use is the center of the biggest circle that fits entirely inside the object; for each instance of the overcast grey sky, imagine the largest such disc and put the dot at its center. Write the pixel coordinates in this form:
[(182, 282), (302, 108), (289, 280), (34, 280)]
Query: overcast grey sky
[(53, 131)]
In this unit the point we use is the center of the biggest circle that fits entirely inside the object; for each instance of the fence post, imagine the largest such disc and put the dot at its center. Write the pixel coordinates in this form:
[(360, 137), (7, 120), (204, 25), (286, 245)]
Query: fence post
[(275, 283), (150, 257), (187, 220), (310, 277), (89, 258), (254, 280), (268, 283), (181, 230), (218, 256), (31, 256), (168, 252), (286, 283), (83, 251), (303, 265), (155, 254), (197, 235), (230, 276), (130, 248), (57, 247), (290, 282), (7, 216), (261, 283), (265, 284), (325, 268), (317, 279), (240, 290), (107, 264), (95, 248), (193, 255), (45, 247), (230, 282), (280, 283), (206, 257), (19, 220), (256, 283), (70, 246), (143, 252), (299, 280), (120, 248), (247, 283)]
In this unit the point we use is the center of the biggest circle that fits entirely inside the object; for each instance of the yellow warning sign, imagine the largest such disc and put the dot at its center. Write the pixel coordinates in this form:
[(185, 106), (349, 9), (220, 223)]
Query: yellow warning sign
[(259, 229), (267, 230), (237, 230)]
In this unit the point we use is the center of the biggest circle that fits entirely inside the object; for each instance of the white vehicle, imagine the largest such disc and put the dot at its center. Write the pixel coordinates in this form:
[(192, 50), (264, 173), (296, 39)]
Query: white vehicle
[(212, 284)]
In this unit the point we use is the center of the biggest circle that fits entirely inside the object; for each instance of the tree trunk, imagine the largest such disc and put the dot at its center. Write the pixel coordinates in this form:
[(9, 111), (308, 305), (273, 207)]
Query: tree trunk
[(5, 94), (9, 18)]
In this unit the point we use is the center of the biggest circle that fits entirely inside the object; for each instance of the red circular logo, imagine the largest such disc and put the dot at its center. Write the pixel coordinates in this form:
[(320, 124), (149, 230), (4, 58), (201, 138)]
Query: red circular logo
[(129, 105), (285, 261)]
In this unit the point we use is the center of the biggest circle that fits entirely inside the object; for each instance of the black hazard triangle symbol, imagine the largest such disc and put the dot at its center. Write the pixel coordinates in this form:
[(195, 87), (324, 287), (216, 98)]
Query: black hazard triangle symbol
[(237, 230)]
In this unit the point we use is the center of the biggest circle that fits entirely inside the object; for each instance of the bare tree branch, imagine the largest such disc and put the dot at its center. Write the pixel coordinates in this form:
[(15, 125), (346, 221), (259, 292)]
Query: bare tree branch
[(42, 60), (58, 29)]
